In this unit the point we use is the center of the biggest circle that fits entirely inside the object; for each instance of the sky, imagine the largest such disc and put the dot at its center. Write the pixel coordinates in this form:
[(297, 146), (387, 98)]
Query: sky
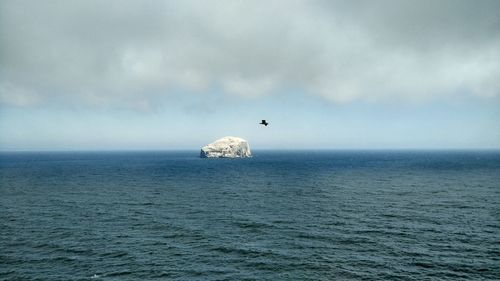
[(160, 75)]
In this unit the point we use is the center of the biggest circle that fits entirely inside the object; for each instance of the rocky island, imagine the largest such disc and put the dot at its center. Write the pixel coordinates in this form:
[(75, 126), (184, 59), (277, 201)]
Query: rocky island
[(226, 147)]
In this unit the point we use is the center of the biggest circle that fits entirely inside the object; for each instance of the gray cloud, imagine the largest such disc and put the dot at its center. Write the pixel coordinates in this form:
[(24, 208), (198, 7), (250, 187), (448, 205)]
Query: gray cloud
[(131, 53)]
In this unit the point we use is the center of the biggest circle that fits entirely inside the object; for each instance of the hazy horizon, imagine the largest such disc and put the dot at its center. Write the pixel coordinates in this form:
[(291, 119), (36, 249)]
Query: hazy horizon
[(177, 75)]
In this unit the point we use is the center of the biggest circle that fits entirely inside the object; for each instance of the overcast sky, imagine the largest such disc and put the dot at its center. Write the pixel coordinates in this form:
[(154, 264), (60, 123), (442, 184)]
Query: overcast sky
[(78, 75)]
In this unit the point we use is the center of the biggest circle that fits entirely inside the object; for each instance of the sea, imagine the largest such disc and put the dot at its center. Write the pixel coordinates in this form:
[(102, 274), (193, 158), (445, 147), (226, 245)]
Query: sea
[(280, 215)]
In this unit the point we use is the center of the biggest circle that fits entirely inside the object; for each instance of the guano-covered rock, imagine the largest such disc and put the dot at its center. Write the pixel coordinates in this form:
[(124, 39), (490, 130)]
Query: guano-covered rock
[(226, 147)]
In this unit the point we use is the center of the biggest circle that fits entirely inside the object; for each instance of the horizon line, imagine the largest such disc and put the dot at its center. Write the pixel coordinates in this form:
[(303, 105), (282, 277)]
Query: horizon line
[(257, 149)]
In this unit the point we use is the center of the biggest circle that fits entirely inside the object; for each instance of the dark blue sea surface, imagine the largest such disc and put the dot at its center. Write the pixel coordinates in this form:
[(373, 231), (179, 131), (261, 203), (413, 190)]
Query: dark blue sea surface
[(281, 215)]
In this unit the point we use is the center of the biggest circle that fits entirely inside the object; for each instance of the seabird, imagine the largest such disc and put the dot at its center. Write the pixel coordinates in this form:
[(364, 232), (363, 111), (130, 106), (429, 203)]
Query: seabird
[(264, 123)]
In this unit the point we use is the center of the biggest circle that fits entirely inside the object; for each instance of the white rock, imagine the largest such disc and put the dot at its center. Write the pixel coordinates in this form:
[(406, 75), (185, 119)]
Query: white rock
[(226, 147)]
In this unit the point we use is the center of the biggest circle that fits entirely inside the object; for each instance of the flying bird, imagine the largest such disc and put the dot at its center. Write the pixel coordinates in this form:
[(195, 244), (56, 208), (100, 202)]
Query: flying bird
[(264, 123)]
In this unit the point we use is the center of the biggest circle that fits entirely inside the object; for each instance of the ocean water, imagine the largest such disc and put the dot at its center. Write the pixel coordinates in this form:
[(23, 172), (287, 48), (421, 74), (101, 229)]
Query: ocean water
[(281, 215)]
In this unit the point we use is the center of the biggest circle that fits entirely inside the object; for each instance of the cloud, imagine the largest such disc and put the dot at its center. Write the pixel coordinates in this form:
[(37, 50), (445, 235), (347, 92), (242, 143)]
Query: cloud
[(132, 53)]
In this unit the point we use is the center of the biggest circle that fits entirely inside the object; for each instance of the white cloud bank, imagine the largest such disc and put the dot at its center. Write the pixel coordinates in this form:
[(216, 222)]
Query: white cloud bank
[(130, 53)]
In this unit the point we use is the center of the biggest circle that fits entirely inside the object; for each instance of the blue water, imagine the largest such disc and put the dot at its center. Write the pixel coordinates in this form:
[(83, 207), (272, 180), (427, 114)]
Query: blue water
[(296, 215)]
